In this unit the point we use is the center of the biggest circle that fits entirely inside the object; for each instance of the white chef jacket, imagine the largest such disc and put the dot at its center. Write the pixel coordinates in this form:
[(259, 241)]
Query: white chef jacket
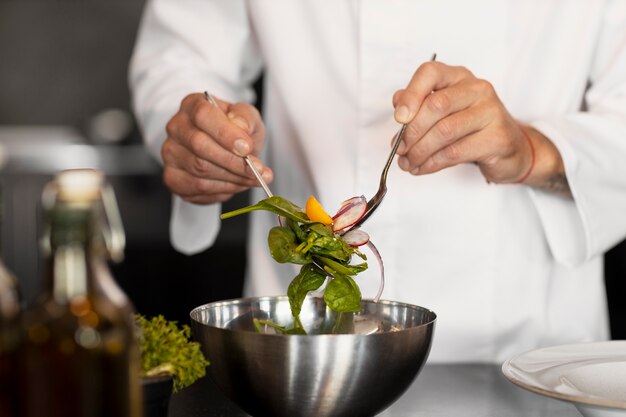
[(507, 268)]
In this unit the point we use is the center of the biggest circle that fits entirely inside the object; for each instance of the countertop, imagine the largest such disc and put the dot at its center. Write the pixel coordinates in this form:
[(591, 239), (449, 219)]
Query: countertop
[(456, 390)]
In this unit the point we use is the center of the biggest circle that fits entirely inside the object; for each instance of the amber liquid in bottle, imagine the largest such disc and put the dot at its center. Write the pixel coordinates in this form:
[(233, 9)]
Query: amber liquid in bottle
[(80, 356)]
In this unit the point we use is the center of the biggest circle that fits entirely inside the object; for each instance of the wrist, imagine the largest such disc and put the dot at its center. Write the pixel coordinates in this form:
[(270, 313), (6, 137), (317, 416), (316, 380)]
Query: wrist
[(548, 170), (532, 154)]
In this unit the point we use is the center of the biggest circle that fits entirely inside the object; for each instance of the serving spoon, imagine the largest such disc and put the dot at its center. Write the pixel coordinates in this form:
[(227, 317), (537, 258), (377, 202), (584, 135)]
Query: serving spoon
[(374, 202)]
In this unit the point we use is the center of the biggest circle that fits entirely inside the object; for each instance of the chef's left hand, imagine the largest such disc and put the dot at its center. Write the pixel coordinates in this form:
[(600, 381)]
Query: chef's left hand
[(454, 117)]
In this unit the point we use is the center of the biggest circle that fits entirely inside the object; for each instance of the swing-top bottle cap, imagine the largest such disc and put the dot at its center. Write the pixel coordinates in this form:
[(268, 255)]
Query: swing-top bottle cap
[(79, 185)]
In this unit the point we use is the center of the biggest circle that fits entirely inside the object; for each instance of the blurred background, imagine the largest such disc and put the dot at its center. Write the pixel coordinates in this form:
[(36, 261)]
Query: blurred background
[(64, 103)]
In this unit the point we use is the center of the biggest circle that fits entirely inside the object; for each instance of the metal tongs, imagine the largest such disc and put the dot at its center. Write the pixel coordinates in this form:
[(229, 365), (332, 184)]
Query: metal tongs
[(246, 158), (262, 182)]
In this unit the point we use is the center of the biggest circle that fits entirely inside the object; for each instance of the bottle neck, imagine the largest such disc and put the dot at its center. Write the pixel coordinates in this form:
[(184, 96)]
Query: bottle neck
[(74, 243), (70, 277)]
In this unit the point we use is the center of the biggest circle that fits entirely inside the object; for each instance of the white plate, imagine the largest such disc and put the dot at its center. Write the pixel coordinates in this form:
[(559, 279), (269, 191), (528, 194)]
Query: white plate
[(590, 375)]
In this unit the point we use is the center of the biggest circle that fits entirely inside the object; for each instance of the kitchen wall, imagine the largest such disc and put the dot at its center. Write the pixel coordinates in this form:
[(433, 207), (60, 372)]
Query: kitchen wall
[(63, 67)]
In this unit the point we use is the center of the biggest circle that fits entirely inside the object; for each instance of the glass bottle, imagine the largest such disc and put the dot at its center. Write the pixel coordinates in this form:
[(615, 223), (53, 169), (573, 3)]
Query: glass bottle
[(80, 354), (9, 342)]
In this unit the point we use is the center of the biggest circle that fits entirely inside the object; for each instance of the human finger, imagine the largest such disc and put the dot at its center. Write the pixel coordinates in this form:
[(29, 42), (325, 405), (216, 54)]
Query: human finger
[(428, 77), (179, 157), (437, 106), (182, 131), (443, 133), (461, 151), (214, 122), (501, 152), (190, 187), (249, 119)]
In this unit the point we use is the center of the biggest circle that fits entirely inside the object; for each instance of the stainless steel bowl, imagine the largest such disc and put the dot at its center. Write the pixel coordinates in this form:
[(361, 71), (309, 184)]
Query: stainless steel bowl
[(316, 374)]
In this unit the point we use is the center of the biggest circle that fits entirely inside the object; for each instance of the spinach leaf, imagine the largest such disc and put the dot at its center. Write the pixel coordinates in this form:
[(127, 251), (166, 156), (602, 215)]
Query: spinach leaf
[(341, 268), (276, 205), (295, 228), (281, 329), (321, 229), (343, 295), (310, 278), (330, 247), (283, 246)]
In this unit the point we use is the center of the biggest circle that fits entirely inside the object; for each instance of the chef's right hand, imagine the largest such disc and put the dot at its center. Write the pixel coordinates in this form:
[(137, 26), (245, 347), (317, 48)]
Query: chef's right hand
[(203, 153)]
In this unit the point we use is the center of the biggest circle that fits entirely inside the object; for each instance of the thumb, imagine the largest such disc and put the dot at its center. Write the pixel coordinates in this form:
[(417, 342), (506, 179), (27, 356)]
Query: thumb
[(239, 121)]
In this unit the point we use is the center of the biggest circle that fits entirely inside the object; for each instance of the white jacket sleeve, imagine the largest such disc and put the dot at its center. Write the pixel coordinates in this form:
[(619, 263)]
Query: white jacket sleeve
[(593, 146), (187, 46)]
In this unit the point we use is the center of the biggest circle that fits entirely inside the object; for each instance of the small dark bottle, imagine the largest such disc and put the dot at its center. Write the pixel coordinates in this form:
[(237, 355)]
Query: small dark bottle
[(80, 355)]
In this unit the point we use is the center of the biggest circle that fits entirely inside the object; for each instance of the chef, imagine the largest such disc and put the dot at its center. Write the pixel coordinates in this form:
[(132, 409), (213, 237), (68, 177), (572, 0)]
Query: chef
[(510, 182)]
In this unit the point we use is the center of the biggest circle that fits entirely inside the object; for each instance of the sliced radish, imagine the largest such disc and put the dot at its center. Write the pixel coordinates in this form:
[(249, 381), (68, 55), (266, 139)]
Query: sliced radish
[(382, 270), (348, 202), (349, 213), (356, 237)]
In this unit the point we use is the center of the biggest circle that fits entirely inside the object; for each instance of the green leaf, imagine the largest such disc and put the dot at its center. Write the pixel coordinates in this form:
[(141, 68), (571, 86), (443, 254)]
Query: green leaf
[(277, 205), (342, 268), (295, 228), (330, 247), (310, 278), (283, 246), (321, 229), (358, 268), (342, 294), (281, 329)]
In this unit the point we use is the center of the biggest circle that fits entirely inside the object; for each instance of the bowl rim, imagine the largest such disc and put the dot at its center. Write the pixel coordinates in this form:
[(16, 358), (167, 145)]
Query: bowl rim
[(242, 300)]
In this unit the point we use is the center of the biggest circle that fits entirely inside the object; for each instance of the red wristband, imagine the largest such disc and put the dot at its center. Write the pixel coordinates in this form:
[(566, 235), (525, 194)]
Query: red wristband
[(532, 158)]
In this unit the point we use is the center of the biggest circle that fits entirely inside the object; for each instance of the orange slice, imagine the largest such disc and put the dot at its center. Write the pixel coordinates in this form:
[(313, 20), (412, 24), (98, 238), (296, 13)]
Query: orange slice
[(316, 212)]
